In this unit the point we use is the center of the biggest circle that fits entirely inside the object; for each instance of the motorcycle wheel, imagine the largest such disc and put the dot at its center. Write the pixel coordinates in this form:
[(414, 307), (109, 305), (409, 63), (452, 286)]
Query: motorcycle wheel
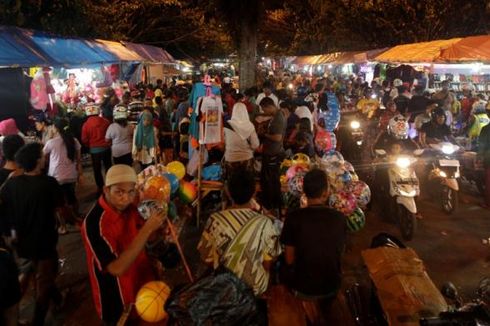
[(449, 200), (407, 222)]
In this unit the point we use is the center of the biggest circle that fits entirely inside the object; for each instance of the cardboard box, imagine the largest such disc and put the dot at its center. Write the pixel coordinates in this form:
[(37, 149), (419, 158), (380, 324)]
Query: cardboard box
[(404, 288)]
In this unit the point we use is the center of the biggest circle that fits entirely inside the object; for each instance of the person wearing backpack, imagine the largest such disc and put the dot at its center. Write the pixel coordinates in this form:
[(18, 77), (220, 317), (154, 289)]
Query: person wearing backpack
[(240, 140)]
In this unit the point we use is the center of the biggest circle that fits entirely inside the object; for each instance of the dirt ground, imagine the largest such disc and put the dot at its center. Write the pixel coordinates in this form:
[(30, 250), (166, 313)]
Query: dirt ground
[(450, 246)]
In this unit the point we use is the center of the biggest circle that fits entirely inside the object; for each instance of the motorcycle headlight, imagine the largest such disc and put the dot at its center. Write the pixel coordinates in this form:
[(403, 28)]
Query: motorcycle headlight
[(443, 174), (290, 86), (355, 124), (403, 162), (359, 142), (448, 149)]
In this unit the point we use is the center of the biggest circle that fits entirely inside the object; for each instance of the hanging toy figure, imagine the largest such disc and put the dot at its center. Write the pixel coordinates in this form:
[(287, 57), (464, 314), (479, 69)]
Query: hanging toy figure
[(70, 96)]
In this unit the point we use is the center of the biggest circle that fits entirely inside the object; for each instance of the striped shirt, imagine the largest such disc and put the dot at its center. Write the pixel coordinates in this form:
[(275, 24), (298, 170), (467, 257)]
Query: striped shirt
[(241, 239)]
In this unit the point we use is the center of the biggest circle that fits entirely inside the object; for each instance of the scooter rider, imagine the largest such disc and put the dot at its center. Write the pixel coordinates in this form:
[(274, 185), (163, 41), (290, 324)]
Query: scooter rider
[(394, 141), (397, 131), (436, 130)]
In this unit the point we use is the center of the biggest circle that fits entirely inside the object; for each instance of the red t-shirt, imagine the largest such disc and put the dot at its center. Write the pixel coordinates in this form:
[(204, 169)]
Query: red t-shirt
[(93, 132), (106, 234)]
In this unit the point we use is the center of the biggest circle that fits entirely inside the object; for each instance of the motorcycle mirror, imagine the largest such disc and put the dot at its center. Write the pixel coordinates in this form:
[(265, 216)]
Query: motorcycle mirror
[(449, 291)]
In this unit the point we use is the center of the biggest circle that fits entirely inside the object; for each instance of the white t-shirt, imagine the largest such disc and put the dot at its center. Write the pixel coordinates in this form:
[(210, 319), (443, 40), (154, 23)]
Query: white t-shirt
[(121, 139), (60, 166), (238, 149)]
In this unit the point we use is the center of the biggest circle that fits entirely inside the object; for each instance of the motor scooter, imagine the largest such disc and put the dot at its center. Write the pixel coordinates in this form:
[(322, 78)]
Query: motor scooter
[(350, 137), (444, 175), (399, 190)]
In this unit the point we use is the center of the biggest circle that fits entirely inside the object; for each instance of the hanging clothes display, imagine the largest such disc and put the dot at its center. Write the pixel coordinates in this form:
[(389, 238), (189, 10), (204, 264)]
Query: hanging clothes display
[(211, 123)]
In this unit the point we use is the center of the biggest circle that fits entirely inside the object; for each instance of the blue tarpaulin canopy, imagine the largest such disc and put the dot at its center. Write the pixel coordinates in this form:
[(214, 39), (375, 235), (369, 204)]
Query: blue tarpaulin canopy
[(69, 52), (150, 53), (17, 51), (25, 48)]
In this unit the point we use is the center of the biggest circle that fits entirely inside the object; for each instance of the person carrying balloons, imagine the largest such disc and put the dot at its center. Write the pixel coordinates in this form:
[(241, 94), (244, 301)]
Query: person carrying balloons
[(314, 239), (115, 235), (145, 140)]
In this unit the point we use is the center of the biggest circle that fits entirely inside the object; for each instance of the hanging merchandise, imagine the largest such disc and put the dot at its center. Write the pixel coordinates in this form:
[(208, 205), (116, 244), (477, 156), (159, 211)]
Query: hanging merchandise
[(198, 90), (211, 124), (332, 116), (39, 92)]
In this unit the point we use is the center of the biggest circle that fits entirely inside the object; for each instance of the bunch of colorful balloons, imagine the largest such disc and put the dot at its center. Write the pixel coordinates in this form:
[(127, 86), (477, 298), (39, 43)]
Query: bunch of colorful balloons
[(349, 195), (160, 184)]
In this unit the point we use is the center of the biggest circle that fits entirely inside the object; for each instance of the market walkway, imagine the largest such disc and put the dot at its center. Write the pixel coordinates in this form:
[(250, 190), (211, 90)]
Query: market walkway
[(451, 247)]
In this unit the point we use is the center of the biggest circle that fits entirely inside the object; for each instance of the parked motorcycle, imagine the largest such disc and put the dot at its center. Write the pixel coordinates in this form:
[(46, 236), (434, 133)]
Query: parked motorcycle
[(364, 305), (399, 190), (444, 175), (472, 313)]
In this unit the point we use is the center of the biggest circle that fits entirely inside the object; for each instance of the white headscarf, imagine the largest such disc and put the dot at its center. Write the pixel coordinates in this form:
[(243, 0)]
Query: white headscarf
[(304, 112), (240, 121)]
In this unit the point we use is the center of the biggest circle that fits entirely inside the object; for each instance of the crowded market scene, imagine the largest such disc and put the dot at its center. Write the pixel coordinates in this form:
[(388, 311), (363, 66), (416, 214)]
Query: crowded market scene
[(153, 176)]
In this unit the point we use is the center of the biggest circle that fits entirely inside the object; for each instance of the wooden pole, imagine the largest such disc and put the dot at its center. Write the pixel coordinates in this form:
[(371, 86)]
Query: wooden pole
[(199, 185)]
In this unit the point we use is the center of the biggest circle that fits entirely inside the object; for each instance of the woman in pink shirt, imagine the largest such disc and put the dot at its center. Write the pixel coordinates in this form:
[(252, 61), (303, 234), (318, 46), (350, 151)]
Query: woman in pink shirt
[(63, 155)]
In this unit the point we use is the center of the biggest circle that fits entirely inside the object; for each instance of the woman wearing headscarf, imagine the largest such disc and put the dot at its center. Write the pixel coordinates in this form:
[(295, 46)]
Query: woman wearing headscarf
[(240, 140), (304, 112), (145, 142), (9, 127)]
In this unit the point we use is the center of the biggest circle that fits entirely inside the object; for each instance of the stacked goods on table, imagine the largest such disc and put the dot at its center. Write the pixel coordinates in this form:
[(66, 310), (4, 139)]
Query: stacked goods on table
[(405, 290)]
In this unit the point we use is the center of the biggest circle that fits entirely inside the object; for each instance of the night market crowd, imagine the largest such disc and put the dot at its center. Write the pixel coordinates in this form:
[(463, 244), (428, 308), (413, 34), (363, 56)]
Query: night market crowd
[(253, 235)]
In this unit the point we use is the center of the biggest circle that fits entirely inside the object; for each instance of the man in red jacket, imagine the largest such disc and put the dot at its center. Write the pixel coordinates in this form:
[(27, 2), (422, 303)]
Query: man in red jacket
[(93, 136)]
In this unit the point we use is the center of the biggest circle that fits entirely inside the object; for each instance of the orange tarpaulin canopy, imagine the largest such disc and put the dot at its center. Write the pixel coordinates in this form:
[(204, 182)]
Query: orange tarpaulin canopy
[(307, 60), (472, 48), (417, 52)]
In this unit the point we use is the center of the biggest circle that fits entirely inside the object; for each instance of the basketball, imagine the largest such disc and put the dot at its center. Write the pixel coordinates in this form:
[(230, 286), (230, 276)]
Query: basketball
[(150, 301)]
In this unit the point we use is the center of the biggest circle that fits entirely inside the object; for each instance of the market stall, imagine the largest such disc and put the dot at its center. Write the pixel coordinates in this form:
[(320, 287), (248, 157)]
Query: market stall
[(158, 63)]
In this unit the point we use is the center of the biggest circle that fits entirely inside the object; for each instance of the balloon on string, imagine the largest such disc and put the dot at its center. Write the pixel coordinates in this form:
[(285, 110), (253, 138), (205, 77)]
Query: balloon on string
[(332, 117), (361, 191), (187, 192), (332, 121), (295, 169), (350, 168), (174, 182), (301, 159), (346, 177), (343, 202), (356, 220), (295, 184), (325, 140), (176, 168), (333, 157), (157, 188)]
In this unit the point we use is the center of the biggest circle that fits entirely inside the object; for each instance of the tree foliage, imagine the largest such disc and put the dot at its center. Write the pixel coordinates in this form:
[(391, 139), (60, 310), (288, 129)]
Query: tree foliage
[(200, 28)]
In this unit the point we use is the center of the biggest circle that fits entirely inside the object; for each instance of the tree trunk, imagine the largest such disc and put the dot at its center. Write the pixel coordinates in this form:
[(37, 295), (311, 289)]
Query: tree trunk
[(247, 51)]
